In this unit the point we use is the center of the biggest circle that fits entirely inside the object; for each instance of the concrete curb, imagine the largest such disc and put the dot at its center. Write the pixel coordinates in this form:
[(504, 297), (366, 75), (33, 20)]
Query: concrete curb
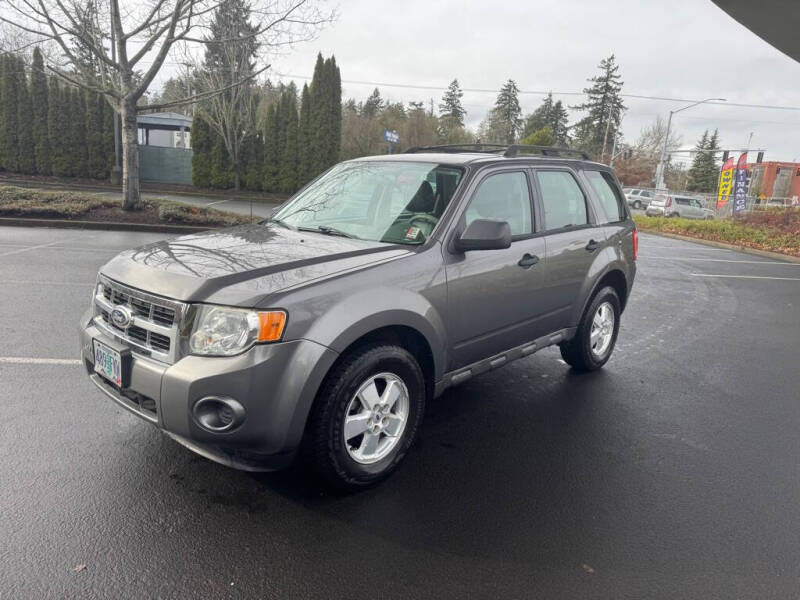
[(70, 224), (726, 246)]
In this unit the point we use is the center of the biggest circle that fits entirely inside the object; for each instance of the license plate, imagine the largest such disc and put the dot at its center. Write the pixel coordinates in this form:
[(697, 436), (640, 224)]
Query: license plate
[(108, 363)]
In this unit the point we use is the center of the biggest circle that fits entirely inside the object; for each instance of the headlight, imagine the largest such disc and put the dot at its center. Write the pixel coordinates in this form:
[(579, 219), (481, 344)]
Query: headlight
[(224, 331)]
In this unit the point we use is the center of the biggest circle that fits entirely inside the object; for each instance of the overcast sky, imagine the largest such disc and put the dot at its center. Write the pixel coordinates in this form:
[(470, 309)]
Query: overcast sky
[(677, 48)]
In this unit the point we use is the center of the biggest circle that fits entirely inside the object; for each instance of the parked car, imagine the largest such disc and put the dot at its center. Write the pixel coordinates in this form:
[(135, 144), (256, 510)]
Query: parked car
[(325, 329), (638, 198), (667, 205)]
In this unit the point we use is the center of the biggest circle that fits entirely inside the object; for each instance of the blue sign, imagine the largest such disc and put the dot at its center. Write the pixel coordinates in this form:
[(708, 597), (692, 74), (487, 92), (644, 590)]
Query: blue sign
[(391, 136), (740, 185)]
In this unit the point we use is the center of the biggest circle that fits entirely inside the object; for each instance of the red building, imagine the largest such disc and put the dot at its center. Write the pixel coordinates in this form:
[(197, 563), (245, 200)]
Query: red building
[(778, 180)]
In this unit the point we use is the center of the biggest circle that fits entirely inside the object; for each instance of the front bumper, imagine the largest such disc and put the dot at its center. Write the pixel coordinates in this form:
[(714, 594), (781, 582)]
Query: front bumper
[(276, 383)]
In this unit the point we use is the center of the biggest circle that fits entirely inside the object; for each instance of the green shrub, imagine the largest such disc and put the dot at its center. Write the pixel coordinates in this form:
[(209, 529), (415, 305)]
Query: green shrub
[(763, 233), (175, 212), (15, 201)]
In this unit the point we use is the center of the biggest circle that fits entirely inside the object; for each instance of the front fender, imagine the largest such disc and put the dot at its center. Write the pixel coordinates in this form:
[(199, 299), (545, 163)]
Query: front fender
[(367, 310)]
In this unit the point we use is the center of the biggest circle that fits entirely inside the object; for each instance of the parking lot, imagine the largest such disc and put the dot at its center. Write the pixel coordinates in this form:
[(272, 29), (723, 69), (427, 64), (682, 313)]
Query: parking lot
[(672, 473)]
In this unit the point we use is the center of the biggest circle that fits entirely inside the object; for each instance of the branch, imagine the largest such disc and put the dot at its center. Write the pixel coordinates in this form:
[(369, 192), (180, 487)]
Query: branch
[(198, 97), (93, 88)]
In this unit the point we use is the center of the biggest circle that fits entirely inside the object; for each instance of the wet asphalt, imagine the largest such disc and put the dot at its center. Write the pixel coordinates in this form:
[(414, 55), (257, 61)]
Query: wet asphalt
[(672, 473)]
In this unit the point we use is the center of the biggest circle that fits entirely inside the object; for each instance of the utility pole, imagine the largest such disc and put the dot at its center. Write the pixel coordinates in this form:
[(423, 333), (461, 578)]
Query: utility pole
[(662, 160)]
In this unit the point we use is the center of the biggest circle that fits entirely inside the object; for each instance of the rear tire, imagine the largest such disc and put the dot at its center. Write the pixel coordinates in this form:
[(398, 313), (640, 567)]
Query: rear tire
[(597, 332), (637, 205), (366, 416)]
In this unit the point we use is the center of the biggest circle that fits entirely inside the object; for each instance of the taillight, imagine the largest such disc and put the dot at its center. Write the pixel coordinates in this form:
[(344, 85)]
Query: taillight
[(635, 244), (669, 201)]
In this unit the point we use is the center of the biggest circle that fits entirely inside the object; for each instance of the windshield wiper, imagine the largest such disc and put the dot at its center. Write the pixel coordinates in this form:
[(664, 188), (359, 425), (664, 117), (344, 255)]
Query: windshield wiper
[(328, 230), (281, 223)]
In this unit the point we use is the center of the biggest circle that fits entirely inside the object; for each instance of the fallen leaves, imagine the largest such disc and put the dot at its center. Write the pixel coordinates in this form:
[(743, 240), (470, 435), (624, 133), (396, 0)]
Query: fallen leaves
[(79, 568)]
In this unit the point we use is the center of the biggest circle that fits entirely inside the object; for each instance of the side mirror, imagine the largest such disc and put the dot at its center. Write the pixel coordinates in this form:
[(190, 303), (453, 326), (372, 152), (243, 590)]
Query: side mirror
[(484, 234)]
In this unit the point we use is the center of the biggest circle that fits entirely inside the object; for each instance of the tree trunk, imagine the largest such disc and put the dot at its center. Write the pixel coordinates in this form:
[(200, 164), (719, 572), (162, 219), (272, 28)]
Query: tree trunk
[(236, 179), (130, 158)]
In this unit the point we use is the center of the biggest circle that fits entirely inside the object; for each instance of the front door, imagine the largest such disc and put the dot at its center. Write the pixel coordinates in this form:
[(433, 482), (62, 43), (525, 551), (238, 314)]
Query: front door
[(494, 296)]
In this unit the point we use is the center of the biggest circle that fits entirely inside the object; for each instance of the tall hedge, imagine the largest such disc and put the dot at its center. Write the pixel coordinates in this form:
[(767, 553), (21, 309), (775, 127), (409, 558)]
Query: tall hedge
[(293, 143), (9, 150), (39, 96)]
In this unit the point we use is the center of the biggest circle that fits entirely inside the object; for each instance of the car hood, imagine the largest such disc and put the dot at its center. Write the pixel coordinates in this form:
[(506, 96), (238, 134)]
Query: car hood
[(242, 265)]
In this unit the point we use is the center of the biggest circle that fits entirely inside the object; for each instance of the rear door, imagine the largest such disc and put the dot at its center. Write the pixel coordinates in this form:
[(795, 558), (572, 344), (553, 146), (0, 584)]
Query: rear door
[(572, 236), (494, 296)]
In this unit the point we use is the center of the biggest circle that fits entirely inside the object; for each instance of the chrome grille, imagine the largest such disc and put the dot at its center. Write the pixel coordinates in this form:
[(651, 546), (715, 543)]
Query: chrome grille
[(154, 327)]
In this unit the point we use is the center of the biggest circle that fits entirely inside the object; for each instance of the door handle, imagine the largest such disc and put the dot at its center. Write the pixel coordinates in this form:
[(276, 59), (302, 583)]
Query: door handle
[(528, 260), (592, 246)]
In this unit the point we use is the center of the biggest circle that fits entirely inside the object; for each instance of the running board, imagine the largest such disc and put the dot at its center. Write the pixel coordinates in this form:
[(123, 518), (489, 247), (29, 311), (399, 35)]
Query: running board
[(499, 360)]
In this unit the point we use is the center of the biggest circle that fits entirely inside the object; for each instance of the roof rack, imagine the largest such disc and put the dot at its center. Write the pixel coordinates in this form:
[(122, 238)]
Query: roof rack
[(459, 148), (507, 150), (516, 149)]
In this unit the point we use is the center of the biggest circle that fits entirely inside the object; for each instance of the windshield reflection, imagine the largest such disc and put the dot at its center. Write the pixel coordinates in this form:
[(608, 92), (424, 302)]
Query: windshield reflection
[(394, 202)]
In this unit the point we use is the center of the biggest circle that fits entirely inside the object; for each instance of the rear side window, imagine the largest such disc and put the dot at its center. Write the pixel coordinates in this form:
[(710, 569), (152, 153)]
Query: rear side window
[(562, 199), (605, 188)]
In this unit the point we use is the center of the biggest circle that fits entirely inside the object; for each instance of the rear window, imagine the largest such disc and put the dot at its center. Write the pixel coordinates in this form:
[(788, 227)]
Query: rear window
[(606, 189)]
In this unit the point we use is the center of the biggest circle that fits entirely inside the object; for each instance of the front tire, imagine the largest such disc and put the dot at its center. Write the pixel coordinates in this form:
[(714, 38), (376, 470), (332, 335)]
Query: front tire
[(637, 205), (597, 333), (366, 416)]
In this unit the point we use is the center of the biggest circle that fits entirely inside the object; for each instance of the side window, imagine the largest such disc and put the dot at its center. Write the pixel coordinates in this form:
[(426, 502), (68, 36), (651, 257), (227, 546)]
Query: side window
[(562, 199), (505, 197), (605, 188), (682, 201), (647, 194)]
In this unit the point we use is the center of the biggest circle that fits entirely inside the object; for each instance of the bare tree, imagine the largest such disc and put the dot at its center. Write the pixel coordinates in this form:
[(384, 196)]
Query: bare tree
[(129, 42)]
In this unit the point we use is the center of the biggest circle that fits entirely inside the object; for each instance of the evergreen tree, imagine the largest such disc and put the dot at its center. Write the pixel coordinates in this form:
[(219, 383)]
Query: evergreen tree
[(27, 154), (271, 148), (78, 150), (451, 112), (507, 112), (108, 134), (304, 139), (604, 106), (9, 150), (704, 172), (253, 159), (552, 115), (335, 92), (202, 146), (57, 129), (39, 104), (450, 108), (540, 137), (97, 161), (326, 114), (287, 167), (231, 59), (373, 105)]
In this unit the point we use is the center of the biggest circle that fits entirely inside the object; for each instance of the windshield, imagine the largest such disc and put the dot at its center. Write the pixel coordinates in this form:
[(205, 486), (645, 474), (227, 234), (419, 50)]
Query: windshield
[(393, 202)]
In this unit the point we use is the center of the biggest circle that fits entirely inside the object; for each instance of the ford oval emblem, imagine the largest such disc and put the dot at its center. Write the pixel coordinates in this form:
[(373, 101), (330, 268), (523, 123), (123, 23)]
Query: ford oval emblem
[(121, 317)]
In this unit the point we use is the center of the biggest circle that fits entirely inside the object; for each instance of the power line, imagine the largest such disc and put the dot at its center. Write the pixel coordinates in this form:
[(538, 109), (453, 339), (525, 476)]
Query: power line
[(543, 93)]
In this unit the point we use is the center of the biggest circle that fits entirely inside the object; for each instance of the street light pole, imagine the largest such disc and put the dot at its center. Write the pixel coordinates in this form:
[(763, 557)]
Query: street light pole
[(661, 161)]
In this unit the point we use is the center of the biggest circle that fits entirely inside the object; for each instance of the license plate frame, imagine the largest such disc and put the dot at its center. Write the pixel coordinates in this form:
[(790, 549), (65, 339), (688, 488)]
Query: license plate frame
[(111, 362)]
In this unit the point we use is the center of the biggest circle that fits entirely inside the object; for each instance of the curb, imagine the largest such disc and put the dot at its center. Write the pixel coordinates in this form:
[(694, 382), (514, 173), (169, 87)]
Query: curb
[(725, 246), (111, 226)]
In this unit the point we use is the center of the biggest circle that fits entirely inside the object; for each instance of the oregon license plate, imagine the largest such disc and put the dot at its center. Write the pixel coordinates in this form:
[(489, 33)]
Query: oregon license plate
[(108, 363)]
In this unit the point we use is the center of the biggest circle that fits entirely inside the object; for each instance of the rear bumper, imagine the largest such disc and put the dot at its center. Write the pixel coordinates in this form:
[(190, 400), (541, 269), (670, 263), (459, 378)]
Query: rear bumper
[(276, 384), (654, 211)]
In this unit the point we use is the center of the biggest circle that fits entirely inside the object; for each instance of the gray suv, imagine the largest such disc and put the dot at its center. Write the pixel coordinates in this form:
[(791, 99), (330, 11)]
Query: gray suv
[(323, 331)]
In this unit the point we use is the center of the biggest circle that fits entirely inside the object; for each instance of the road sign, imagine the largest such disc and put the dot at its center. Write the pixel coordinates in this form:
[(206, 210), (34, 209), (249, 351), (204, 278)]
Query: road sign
[(391, 136)]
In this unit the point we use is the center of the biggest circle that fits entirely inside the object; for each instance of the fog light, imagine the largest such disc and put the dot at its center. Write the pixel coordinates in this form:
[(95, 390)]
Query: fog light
[(217, 414)]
